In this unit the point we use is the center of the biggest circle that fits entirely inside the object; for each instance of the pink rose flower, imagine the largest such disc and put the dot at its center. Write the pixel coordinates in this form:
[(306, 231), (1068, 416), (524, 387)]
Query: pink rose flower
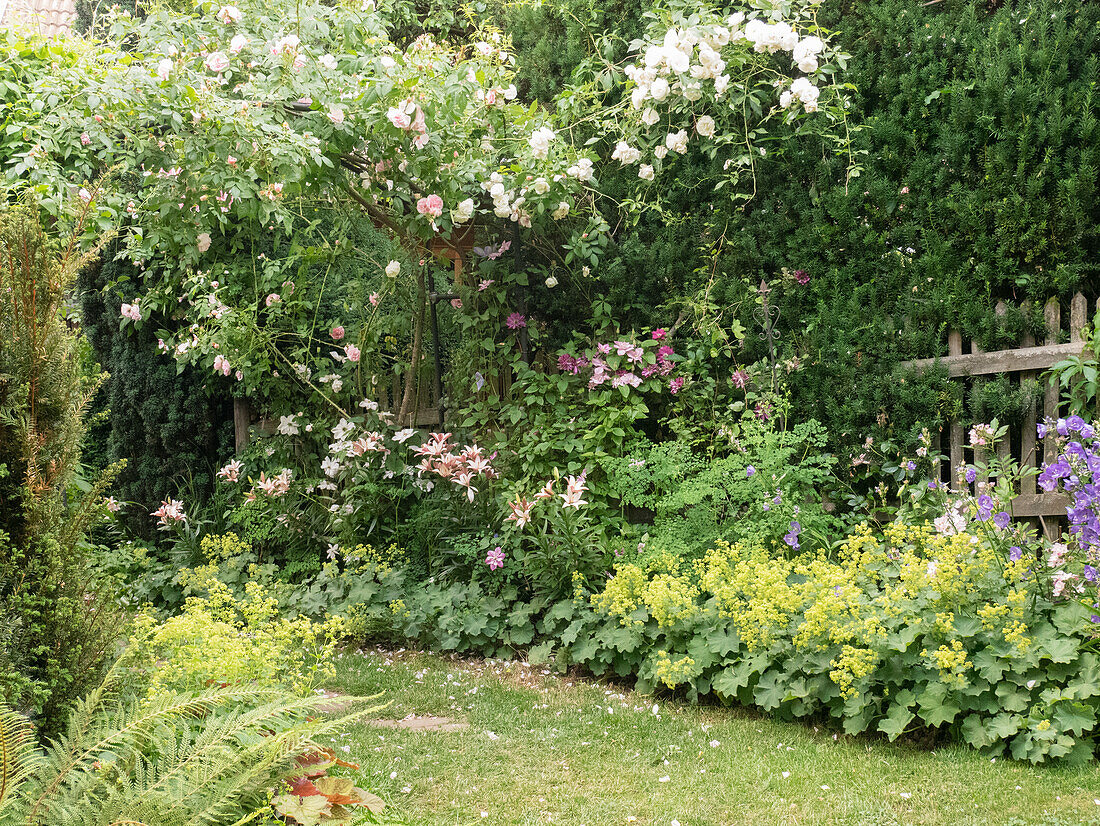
[(399, 118), (374, 299), (353, 353), (217, 62), (337, 333), (430, 205), (273, 298), (85, 139)]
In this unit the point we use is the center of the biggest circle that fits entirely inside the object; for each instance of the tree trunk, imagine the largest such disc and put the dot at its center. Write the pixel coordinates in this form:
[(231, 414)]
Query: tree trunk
[(414, 360)]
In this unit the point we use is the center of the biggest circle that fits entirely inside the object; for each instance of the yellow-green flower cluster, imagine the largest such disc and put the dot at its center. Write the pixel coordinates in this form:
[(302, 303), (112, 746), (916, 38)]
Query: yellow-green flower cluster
[(382, 559), (852, 666), (668, 597), (218, 640), (952, 662), (877, 591), (673, 673), (218, 548)]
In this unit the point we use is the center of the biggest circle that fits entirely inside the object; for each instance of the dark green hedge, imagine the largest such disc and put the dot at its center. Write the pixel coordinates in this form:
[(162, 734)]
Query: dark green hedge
[(980, 153), (172, 429)]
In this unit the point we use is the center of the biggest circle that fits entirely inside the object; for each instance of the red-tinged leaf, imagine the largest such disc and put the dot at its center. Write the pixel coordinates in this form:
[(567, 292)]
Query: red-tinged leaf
[(339, 790), (303, 787)]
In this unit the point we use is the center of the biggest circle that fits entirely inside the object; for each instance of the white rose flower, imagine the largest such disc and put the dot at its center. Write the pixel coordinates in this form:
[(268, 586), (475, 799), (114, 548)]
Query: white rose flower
[(393, 269), (693, 91), (229, 14), (678, 61), (540, 141), (541, 186), (217, 62), (561, 211), (677, 141), (785, 100), (164, 69), (660, 152), (463, 212), (511, 92), (328, 61), (650, 116), (659, 89), (645, 172), (637, 96), (551, 282), (336, 115), (625, 153), (238, 43), (705, 126)]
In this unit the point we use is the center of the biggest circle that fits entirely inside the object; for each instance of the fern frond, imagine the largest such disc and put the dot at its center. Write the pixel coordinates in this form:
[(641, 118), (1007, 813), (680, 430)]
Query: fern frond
[(19, 755)]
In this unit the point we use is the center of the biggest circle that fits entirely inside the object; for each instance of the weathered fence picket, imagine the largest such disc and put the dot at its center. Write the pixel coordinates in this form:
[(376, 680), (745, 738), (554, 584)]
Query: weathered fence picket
[(1027, 363)]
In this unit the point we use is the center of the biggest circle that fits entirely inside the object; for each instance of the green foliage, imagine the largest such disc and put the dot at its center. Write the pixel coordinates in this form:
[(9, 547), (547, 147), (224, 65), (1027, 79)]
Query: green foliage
[(974, 181), (56, 632), (171, 426), (217, 640), (978, 185), (770, 479), (211, 757)]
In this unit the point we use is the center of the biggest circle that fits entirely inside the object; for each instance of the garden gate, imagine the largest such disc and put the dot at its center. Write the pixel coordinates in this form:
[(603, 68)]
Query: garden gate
[(1024, 363)]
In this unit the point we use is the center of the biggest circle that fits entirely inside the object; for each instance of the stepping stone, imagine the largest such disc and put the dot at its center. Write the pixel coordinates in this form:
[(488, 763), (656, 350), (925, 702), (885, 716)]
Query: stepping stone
[(428, 723)]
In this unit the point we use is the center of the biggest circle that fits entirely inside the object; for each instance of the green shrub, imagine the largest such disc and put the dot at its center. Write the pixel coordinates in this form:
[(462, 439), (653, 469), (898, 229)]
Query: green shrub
[(56, 632)]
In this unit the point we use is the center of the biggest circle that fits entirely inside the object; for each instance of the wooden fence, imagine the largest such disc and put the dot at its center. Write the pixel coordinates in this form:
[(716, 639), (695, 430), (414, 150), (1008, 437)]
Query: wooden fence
[(1025, 363)]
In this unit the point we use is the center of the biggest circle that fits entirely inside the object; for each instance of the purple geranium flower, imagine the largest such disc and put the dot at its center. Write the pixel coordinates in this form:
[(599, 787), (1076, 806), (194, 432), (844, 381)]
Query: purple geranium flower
[(792, 537)]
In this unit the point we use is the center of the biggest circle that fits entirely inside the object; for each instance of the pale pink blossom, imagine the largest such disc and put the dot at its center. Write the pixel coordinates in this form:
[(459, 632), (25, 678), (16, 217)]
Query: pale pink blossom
[(398, 118), (273, 298), (217, 62), (374, 299), (521, 511), (337, 333), (170, 510), (430, 205), (229, 14), (353, 352), (131, 311), (231, 472)]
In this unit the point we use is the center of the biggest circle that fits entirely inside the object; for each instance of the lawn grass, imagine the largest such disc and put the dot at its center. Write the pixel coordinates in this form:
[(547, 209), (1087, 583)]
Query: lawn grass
[(542, 749)]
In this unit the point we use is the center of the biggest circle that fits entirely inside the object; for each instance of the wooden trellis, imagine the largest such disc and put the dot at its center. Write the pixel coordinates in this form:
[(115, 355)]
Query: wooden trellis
[(1024, 364)]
